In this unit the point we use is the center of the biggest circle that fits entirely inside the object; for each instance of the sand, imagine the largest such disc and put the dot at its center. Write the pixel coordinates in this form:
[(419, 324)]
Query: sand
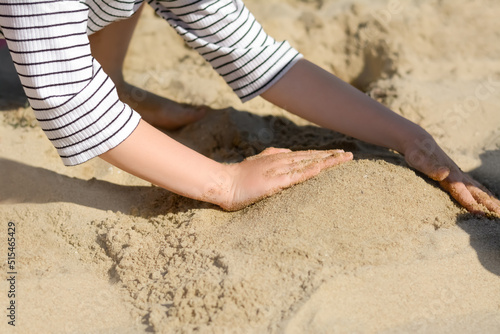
[(367, 247)]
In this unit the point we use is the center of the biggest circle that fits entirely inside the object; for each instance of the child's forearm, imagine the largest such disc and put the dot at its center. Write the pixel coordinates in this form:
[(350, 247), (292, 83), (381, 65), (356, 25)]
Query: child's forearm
[(157, 158), (318, 96)]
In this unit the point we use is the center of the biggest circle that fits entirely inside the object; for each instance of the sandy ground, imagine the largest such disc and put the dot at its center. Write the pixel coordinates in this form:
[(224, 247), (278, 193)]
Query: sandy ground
[(368, 247)]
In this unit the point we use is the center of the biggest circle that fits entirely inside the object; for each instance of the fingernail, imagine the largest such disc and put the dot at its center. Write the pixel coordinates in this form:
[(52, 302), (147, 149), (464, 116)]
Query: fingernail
[(443, 170)]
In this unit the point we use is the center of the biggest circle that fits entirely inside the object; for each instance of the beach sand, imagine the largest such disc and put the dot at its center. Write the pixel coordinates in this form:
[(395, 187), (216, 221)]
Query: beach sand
[(370, 246)]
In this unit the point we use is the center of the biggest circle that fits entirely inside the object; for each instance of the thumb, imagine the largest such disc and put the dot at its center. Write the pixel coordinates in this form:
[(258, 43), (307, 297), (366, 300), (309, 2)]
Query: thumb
[(439, 173)]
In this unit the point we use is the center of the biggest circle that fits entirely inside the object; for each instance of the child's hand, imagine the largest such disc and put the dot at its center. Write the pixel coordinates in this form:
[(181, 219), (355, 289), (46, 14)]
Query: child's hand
[(275, 169), (430, 159)]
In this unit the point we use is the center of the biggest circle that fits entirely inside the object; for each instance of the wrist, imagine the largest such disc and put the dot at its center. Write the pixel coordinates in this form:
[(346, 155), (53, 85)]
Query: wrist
[(220, 187), (414, 137)]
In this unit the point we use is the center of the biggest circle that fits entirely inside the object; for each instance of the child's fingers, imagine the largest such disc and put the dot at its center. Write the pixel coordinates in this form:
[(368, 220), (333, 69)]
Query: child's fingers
[(300, 156), (274, 150), (462, 195), (481, 187), (483, 198), (269, 152), (301, 172), (295, 163), (471, 194), (326, 162), (437, 173)]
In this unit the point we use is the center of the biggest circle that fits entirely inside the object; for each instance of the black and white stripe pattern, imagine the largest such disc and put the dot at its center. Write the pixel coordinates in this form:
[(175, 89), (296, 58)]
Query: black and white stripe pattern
[(227, 35), (75, 101), (104, 12)]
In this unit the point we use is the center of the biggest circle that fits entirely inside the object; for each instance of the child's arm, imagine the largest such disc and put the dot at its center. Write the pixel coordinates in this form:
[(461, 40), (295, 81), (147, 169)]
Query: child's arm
[(318, 96), (77, 106), (153, 156)]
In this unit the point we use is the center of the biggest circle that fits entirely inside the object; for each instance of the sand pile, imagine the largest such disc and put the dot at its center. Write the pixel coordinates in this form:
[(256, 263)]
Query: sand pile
[(369, 246)]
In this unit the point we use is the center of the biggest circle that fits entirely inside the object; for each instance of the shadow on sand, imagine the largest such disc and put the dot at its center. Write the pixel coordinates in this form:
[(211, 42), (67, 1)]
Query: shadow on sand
[(485, 233), (22, 183)]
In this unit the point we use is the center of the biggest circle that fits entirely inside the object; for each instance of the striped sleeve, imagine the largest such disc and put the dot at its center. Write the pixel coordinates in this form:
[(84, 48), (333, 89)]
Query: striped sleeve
[(227, 35), (75, 102), (104, 12)]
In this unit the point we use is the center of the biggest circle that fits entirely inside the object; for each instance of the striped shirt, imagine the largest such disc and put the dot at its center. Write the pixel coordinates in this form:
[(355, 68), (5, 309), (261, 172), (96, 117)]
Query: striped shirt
[(76, 103)]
